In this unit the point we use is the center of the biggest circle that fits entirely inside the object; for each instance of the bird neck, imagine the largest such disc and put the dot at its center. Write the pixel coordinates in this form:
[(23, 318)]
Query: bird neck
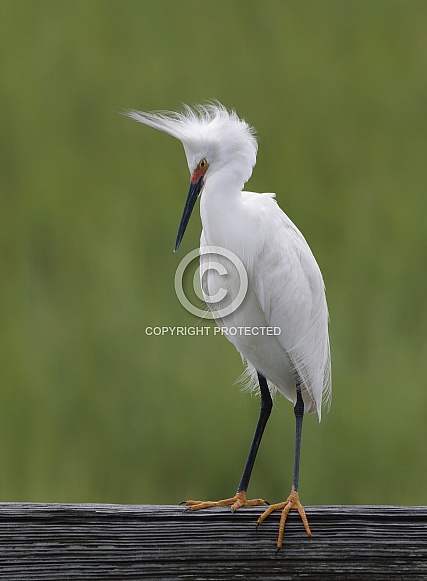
[(221, 209)]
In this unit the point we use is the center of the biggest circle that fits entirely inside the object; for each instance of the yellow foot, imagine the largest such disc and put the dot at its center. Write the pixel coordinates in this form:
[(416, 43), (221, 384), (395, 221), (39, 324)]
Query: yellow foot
[(236, 502), (291, 503)]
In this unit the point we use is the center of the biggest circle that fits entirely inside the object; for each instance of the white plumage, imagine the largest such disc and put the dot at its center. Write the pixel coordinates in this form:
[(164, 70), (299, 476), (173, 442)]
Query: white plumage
[(286, 288), (285, 285)]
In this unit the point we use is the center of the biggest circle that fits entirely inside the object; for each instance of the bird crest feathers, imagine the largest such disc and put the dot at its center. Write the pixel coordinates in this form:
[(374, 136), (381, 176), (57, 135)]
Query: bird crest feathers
[(209, 127)]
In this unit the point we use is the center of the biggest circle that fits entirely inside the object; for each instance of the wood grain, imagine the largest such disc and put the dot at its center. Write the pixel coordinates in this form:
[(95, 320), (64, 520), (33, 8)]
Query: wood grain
[(97, 541)]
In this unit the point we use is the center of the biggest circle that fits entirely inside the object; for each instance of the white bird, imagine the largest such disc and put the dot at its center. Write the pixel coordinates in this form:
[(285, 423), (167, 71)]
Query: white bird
[(285, 286)]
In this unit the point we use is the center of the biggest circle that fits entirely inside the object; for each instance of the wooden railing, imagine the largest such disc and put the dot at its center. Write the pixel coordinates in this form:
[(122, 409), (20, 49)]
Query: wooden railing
[(98, 541)]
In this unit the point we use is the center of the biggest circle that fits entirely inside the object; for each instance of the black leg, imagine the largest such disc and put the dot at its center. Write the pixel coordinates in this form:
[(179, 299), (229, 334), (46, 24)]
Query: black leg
[(265, 410), (299, 415), (292, 502)]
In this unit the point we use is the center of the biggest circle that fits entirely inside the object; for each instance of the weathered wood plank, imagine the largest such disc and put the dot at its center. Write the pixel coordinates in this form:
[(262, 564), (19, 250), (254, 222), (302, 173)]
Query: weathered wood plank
[(43, 542)]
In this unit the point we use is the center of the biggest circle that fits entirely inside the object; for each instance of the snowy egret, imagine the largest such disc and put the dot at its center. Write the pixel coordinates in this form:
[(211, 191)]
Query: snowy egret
[(285, 285)]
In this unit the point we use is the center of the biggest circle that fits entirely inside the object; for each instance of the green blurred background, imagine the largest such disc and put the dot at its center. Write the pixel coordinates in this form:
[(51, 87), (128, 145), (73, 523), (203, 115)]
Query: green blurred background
[(91, 408)]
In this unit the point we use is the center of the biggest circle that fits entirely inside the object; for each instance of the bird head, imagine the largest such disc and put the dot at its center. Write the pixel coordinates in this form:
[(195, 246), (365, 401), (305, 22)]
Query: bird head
[(214, 139)]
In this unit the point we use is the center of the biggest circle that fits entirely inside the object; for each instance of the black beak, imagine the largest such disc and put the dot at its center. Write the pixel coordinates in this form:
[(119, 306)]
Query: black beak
[(193, 194)]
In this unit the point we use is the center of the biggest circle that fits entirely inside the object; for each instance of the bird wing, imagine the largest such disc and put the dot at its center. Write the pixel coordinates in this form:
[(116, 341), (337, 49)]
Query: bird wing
[(291, 293)]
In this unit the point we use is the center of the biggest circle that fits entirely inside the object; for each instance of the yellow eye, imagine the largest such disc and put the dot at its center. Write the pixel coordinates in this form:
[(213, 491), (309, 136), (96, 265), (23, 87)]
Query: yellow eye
[(203, 164)]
